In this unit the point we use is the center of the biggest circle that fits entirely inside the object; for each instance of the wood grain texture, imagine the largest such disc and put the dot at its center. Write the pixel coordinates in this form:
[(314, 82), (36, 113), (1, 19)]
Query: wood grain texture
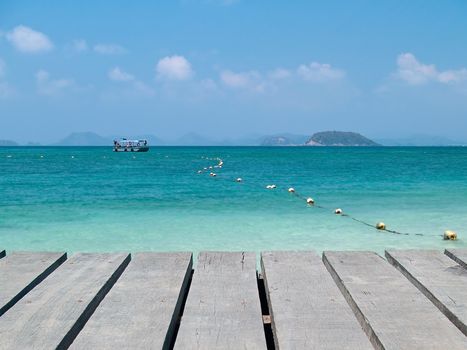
[(142, 308), (53, 313), (458, 255), (223, 308), (308, 310), (20, 272), (441, 279), (393, 312)]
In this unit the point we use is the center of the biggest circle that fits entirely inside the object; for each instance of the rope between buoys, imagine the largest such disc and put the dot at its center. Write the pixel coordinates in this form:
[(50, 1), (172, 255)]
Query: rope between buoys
[(293, 192)]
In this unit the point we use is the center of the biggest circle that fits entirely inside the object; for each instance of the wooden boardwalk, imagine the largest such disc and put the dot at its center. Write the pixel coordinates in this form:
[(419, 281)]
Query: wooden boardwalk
[(294, 300)]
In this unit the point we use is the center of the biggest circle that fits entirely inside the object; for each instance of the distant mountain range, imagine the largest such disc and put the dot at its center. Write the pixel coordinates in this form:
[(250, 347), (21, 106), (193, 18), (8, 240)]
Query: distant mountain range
[(284, 140), (340, 138), (8, 143), (421, 140), (84, 139), (325, 138)]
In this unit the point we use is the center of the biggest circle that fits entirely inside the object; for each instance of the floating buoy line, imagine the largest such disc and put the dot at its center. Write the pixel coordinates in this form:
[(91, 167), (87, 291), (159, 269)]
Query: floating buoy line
[(380, 226)]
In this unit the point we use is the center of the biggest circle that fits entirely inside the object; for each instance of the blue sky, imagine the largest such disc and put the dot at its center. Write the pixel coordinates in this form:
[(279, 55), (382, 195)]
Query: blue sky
[(232, 68)]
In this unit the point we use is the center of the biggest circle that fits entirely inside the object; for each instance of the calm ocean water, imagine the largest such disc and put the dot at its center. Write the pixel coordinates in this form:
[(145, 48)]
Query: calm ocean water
[(91, 199)]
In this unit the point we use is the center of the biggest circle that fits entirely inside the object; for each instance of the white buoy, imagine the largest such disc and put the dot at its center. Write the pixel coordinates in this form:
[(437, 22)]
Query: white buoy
[(8, 156), (450, 235), (338, 211), (210, 167), (72, 156), (239, 179), (291, 190), (42, 156), (273, 186), (310, 201), (381, 226), (199, 171), (212, 174)]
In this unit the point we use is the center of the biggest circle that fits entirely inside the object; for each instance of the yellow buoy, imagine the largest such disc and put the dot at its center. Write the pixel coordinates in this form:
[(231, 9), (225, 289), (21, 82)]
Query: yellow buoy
[(450, 235), (291, 190), (381, 226), (310, 201), (338, 211)]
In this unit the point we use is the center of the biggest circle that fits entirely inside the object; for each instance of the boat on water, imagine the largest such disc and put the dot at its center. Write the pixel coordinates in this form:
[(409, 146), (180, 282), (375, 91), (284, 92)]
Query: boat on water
[(124, 145)]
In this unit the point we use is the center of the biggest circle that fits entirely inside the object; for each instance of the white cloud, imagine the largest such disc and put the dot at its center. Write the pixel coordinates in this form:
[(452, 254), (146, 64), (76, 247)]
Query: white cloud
[(254, 81), (2, 68), (251, 79), (119, 75), (143, 89), (413, 72), (235, 80), (279, 73), (116, 74), (109, 49), (27, 40), (47, 86), (80, 45), (453, 76), (174, 68), (319, 72)]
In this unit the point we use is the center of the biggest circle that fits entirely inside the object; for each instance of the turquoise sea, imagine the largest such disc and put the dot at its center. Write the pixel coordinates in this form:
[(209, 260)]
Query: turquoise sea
[(91, 199)]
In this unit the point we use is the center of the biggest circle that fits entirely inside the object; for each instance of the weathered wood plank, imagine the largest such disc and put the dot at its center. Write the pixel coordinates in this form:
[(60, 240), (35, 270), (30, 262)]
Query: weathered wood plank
[(308, 310), (441, 279), (20, 272), (390, 309), (458, 255), (223, 309), (2, 253), (142, 308), (52, 314)]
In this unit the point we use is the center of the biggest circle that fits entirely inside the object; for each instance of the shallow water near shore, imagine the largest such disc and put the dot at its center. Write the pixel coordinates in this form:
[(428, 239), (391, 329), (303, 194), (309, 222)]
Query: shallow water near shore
[(91, 199)]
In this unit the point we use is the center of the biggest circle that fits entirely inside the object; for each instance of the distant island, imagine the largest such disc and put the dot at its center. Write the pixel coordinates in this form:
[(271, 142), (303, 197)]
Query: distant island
[(84, 139), (4, 143), (284, 140), (323, 138), (340, 138)]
